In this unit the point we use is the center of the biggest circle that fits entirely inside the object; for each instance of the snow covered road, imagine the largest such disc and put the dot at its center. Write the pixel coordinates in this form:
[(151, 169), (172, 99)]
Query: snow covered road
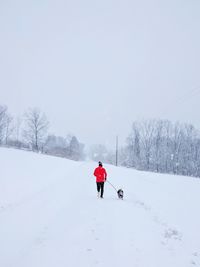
[(50, 216)]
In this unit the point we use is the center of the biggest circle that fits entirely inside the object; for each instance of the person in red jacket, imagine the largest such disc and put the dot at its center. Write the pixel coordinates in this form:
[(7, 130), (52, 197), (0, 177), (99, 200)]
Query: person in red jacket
[(101, 175)]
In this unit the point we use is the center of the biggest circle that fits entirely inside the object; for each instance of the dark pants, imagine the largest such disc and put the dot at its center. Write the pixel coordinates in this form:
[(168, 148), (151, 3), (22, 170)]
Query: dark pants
[(100, 187)]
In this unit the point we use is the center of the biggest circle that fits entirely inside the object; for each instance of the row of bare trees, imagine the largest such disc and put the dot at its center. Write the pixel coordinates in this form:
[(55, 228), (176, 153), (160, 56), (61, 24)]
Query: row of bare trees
[(153, 145), (31, 132), (163, 146)]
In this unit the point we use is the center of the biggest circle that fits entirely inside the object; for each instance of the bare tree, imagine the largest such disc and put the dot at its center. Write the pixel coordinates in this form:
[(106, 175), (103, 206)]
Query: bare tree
[(176, 146), (8, 128), (3, 117), (17, 132), (134, 145), (76, 149), (157, 144), (36, 126), (147, 129)]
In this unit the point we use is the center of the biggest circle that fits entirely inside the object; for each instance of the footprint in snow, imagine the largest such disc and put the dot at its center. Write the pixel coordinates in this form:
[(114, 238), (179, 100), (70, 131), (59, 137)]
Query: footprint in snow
[(42, 238), (142, 204), (171, 233), (196, 259)]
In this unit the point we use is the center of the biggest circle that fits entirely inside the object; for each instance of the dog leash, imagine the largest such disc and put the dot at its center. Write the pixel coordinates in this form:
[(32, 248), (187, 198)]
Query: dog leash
[(112, 185)]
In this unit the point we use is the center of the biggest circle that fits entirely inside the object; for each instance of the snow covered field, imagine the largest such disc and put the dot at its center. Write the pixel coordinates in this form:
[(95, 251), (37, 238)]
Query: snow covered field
[(50, 215)]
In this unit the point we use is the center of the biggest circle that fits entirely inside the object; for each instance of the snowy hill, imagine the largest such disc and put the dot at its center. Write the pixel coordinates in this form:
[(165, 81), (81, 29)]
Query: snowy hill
[(50, 216)]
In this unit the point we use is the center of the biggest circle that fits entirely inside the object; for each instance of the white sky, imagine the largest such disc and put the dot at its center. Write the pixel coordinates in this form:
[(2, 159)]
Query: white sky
[(95, 66)]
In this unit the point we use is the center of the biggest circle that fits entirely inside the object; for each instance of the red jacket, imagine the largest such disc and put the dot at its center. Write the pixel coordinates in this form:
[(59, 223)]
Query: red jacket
[(100, 174)]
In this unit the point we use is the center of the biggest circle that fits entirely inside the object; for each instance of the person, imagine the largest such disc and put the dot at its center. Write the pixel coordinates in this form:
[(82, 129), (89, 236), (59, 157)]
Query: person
[(101, 176)]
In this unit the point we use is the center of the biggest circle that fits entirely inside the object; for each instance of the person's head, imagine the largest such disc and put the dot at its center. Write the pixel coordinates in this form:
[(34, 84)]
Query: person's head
[(100, 164)]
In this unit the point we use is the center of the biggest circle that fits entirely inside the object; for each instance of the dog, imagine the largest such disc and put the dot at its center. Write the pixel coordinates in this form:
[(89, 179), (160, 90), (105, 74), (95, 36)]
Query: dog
[(120, 193)]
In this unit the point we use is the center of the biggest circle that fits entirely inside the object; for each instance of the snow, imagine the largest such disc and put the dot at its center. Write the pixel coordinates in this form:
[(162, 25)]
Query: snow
[(50, 215)]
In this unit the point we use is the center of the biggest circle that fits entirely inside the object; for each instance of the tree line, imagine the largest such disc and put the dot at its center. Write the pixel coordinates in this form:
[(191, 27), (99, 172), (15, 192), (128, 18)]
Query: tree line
[(30, 132), (163, 146), (152, 145)]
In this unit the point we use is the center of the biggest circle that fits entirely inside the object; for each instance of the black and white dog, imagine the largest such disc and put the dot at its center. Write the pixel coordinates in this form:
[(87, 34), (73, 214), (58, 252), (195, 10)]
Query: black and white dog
[(120, 193)]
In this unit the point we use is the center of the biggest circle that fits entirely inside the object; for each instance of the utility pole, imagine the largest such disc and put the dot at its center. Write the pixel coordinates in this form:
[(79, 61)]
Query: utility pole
[(116, 150)]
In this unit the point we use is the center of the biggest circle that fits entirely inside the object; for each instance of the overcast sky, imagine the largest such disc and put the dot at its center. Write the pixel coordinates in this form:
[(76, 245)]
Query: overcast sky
[(96, 66)]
